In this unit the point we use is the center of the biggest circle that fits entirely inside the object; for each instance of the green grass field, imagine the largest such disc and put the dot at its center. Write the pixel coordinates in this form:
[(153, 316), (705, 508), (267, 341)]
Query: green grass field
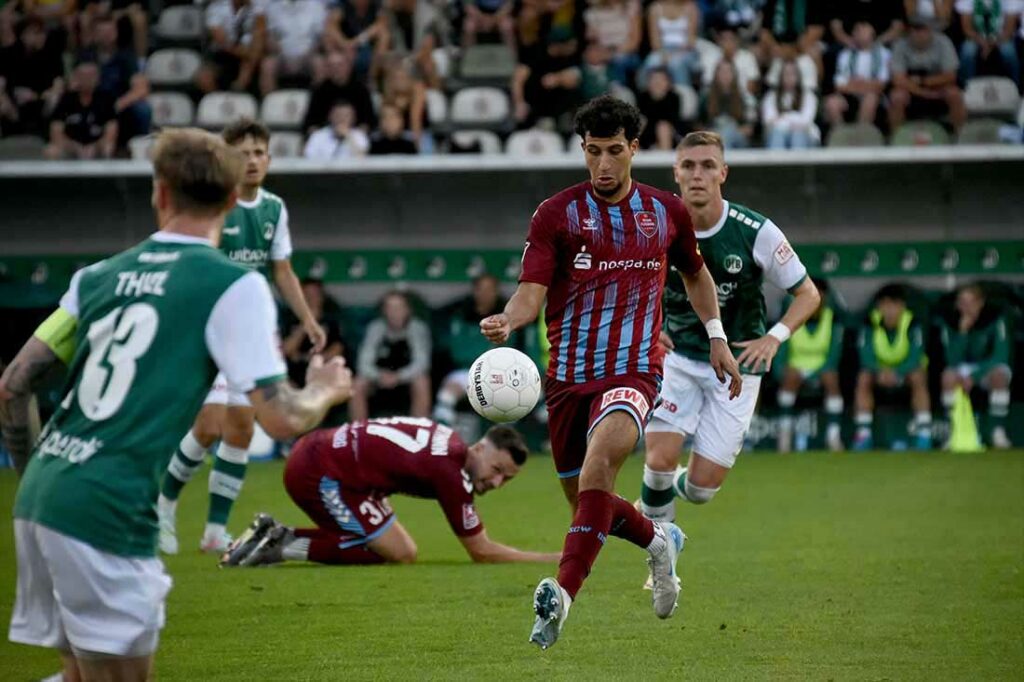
[(806, 567)]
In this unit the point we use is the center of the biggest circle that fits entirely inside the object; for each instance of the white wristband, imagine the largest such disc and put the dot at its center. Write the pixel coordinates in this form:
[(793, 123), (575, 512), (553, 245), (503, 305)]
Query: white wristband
[(715, 329), (780, 331)]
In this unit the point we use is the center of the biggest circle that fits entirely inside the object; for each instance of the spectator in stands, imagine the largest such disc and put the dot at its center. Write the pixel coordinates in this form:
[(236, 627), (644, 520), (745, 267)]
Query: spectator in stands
[(748, 72), (462, 342), (295, 344), (812, 355), (546, 82), (60, 18), (862, 75), (120, 80), (924, 66), (659, 104), (728, 110), (885, 16), (741, 16), (339, 84), (237, 37), (394, 357), (788, 112), (615, 27), (341, 138), (294, 30), (357, 28), (9, 16), (488, 16), (130, 19), (891, 347), (414, 29), (595, 72), (794, 29), (408, 95), (34, 71), (977, 347), (392, 138), (547, 21), (672, 29), (989, 27), (84, 124), (938, 13)]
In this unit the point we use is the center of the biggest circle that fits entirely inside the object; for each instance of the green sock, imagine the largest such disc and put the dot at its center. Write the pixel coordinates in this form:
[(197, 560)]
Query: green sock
[(226, 482), (183, 465)]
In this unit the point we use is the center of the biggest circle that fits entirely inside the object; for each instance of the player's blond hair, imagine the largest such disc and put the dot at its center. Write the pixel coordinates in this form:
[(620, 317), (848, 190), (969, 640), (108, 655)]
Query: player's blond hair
[(199, 168), (702, 138)]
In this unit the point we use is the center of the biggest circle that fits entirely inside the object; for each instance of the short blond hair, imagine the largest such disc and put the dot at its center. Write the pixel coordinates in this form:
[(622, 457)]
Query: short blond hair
[(702, 138), (200, 169)]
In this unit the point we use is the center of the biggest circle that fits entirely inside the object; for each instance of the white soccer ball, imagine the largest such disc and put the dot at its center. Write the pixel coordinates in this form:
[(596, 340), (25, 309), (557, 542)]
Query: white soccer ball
[(504, 385)]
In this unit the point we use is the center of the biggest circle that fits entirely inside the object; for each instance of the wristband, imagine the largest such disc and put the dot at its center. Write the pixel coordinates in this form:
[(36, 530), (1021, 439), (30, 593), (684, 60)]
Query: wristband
[(715, 329), (780, 332)]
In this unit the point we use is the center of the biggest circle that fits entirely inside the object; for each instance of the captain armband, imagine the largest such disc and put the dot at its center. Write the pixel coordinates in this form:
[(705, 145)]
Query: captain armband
[(58, 333)]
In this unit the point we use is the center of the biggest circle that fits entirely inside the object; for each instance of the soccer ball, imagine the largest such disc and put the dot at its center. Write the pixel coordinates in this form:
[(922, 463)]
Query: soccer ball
[(504, 385)]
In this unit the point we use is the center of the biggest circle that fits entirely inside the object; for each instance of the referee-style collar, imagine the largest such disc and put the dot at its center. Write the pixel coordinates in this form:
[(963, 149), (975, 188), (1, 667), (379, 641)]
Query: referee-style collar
[(713, 230)]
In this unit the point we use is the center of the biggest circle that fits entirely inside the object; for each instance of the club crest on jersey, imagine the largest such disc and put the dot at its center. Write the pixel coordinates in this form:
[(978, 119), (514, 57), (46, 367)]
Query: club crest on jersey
[(646, 222), (732, 264), (626, 395), (268, 230), (582, 261), (470, 519)]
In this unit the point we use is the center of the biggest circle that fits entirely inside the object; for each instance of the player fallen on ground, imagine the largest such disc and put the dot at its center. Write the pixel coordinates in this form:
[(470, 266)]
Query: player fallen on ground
[(342, 479), (143, 334), (599, 252), (257, 236), (742, 249)]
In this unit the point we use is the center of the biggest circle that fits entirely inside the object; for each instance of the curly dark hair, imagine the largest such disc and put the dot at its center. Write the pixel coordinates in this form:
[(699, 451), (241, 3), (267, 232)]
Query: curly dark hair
[(606, 116), (243, 128), (506, 438)]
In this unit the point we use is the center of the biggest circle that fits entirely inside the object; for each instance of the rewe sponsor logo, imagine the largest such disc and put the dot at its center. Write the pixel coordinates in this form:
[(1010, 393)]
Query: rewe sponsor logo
[(626, 395), (630, 264)]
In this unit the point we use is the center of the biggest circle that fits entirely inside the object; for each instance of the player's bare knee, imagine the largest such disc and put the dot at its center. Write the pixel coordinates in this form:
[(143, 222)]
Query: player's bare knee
[(207, 427), (949, 380), (405, 553), (917, 380), (662, 458)]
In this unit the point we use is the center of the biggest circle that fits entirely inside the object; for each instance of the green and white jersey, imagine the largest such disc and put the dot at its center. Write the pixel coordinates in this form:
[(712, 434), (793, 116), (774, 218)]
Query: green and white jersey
[(741, 250), (256, 232), (154, 325)]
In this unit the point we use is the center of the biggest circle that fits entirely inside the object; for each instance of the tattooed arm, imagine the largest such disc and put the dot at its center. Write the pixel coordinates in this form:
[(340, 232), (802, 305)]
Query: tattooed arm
[(18, 417), (285, 411)]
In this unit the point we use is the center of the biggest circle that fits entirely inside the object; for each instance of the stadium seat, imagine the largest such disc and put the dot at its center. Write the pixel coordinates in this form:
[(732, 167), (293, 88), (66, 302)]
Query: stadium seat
[(218, 109), (622, 92), (172, 66), (180, 23), (171, 109), (855, 135), (21, 148), (285, 109), (140, 146), (286, 145), (920, 134), (983, 131), (487, 62), (689, 102), (991, 96), (488, 141), (437, 107), (534, 143), (474, 107)]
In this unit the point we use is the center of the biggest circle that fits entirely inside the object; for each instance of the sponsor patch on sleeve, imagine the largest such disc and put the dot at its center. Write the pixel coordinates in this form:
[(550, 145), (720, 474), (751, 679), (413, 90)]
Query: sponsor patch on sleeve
[(784, 253), (469, 518)]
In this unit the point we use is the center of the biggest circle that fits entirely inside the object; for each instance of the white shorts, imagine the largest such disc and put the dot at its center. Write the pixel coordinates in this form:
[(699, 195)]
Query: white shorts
[(220, 394), (693, 402), (73, 597)]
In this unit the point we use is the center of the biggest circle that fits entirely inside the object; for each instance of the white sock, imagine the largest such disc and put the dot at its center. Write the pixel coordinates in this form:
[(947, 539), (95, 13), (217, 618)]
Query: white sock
[(864, 420), (658, 482), (834, 404), (296, 550), (214, 530), (948, 399), (659, 543), (999, 402), (923, 423), (167, 507)]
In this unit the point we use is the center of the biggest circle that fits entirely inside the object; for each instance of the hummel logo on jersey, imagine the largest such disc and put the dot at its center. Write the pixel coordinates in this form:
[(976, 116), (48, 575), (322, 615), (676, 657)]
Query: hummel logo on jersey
[(591, 224), (234, 229), (582, 261), (467, 482)]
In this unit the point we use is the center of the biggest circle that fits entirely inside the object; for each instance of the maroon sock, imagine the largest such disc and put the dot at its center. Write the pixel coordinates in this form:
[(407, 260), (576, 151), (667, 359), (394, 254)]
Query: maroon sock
[(629, 524), (586, 536), (325, 548)]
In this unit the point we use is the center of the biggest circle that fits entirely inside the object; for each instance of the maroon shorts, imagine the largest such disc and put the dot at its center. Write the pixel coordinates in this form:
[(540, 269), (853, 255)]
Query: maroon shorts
[(358, 516), (575, 409)]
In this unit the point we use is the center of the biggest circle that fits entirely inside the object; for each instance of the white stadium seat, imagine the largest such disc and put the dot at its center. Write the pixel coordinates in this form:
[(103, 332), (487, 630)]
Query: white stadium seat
[(991, 95), (182, 22), (488, 141), (285, 108), (286, 145), (689, 102), (437, 107), (535, 143), (218, 109), (172, 66), (480, 106), (141, 145), (171, 109)]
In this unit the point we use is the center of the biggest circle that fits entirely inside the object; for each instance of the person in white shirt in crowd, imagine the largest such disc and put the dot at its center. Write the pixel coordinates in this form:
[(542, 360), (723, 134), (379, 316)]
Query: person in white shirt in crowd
[(341, 138), (294, 30), (861, 77), (989, 28), (236, 33), (672, 29), (748, 72), (788, 112)]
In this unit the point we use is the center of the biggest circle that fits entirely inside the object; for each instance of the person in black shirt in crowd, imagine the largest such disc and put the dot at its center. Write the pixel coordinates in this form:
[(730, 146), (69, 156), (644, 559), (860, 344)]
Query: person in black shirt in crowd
[(84, 125), (120, 80), (659, 104), (33, 72), (339, 85), (392, 137)]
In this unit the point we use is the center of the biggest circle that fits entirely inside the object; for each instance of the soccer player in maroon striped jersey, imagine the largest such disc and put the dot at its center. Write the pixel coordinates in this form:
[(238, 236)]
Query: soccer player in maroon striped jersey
[(599, 253), (342, 478)]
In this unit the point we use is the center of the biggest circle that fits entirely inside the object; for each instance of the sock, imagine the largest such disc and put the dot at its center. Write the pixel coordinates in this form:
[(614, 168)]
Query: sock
[(657, 499), (225, 482), (183, 465), (631, 525), (864, 421), (923, 424), (999, 407), (444, 409), (787, 399), (324, 547), (586, 536), (296, 550), (834, 416), (694, 494)]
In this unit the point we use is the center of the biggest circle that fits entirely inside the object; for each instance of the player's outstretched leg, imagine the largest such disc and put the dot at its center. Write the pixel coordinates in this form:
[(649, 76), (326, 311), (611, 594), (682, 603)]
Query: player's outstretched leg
[(551, 605), (227, 476), (242, 546), (183, 465), (665, 584)]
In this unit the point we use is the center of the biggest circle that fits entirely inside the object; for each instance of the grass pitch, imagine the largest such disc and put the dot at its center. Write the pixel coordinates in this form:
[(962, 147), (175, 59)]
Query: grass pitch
[(810, 567)]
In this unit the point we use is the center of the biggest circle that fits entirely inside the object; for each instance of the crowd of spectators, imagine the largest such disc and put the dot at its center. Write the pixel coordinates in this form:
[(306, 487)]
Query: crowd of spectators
[(778, 73)]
